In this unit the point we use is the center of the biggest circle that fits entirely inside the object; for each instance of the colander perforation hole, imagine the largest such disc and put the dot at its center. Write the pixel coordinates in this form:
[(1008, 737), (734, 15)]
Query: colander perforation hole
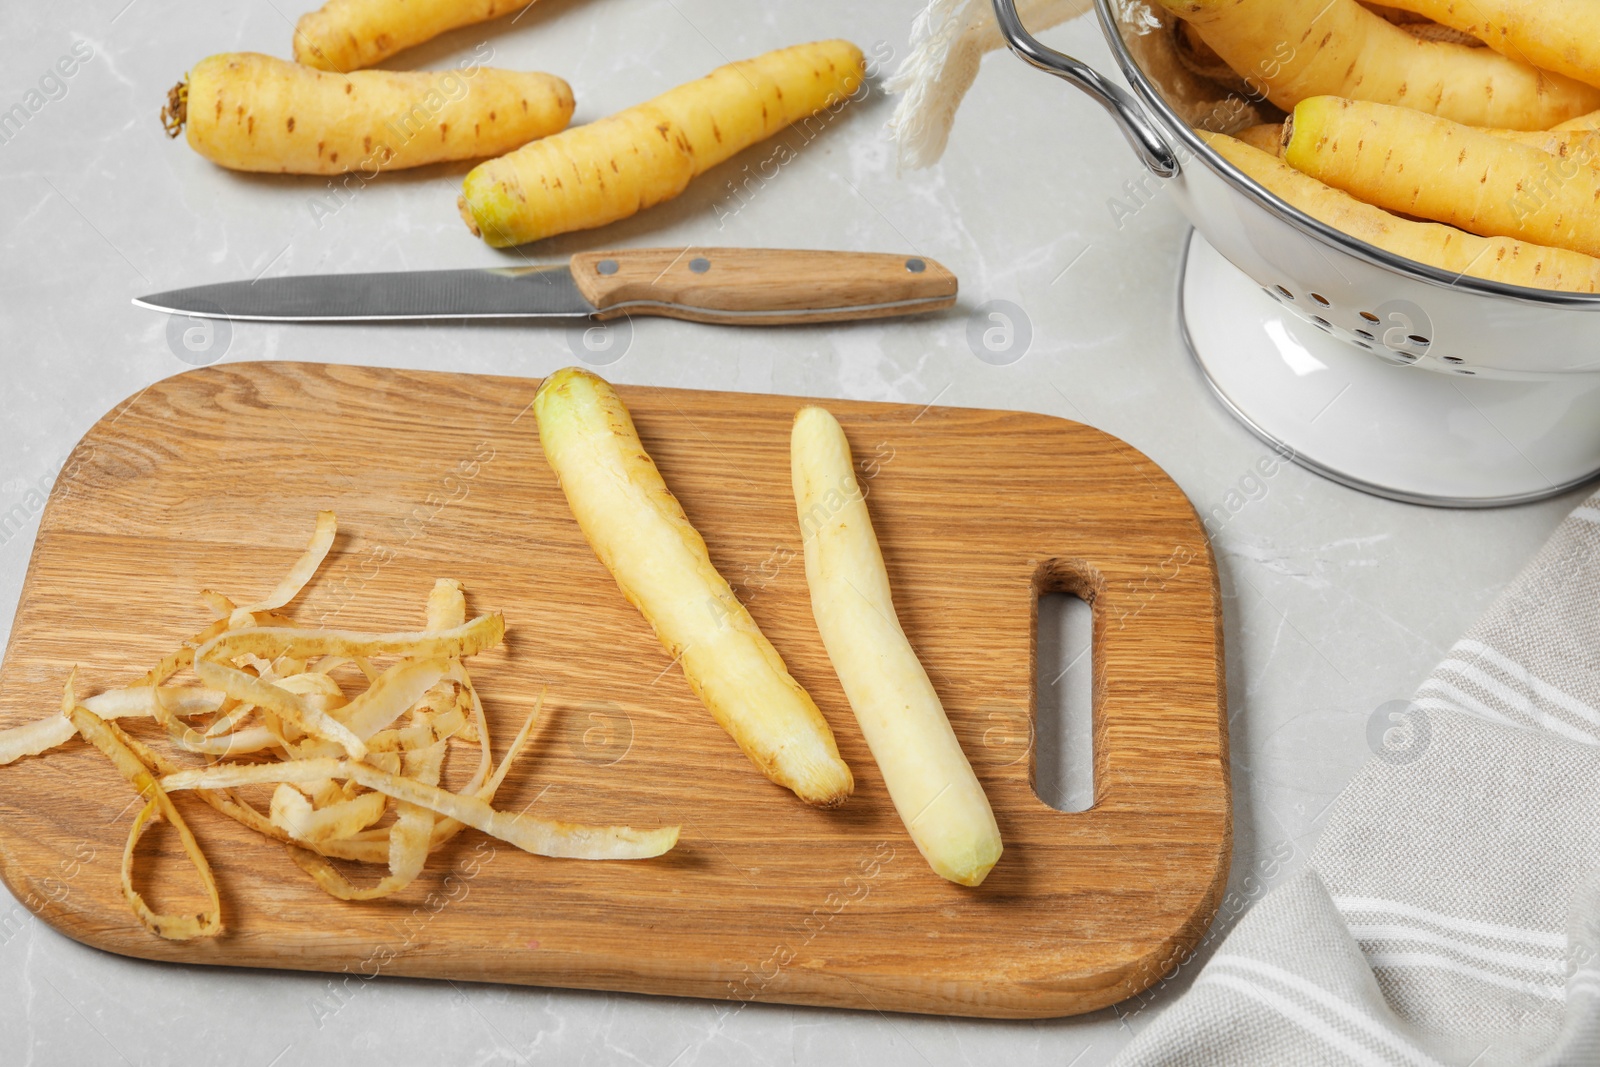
[(1285, 292), (1452, 359), (1370, 317), (1419, 339), (1365, 334), (1322, 323), (1324, 301)]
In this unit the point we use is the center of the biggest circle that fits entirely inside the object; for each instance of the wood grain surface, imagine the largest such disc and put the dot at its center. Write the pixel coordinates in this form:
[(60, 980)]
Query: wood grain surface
[(760, 286), (212, 478)]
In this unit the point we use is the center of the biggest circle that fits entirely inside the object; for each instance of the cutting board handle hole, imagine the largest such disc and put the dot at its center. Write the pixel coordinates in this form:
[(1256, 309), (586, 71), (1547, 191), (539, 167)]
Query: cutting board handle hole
[(1064, 700)]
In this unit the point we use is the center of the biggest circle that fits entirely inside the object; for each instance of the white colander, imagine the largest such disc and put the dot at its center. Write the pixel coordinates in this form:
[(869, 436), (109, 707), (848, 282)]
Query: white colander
[(1384, 374)]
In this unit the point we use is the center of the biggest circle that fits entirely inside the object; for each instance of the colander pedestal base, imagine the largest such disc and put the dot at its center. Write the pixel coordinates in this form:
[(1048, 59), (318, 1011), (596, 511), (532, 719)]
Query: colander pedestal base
[(1398, 431)]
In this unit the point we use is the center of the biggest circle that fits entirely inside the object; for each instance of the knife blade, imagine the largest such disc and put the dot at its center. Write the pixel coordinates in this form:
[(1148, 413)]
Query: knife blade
[(751, 286)]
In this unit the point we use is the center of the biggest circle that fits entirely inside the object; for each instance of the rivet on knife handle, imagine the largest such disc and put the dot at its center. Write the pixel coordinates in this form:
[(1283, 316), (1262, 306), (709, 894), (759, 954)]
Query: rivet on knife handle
[(760, 286)]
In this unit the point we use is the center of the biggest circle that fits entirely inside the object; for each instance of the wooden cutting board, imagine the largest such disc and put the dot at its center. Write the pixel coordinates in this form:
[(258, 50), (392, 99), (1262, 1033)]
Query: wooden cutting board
[(212, 478)]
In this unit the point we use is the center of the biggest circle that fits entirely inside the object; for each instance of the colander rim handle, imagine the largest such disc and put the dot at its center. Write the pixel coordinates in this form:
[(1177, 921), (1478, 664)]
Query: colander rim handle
[(1135, 124)]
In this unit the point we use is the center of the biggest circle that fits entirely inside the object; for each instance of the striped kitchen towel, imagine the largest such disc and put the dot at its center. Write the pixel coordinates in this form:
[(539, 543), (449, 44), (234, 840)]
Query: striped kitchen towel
[(1450, 914)]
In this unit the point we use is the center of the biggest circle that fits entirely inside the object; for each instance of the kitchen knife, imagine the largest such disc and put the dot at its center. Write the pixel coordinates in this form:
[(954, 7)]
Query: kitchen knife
[(746, 286)]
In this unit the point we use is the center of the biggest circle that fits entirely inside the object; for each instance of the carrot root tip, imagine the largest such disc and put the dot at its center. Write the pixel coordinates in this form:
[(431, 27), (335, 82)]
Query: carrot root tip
[(176, 110)]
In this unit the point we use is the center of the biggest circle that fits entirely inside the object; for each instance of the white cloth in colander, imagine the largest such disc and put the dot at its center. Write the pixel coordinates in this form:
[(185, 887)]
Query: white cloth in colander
[(948, 40)]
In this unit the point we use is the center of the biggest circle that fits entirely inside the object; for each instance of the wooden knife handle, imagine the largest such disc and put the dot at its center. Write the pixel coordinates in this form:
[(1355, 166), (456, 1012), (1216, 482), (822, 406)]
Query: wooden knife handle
[(760, 286)]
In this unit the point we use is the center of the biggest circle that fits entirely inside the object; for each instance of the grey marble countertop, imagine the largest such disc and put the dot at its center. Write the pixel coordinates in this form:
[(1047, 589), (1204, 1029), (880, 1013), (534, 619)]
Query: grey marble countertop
[(1335, 602)]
